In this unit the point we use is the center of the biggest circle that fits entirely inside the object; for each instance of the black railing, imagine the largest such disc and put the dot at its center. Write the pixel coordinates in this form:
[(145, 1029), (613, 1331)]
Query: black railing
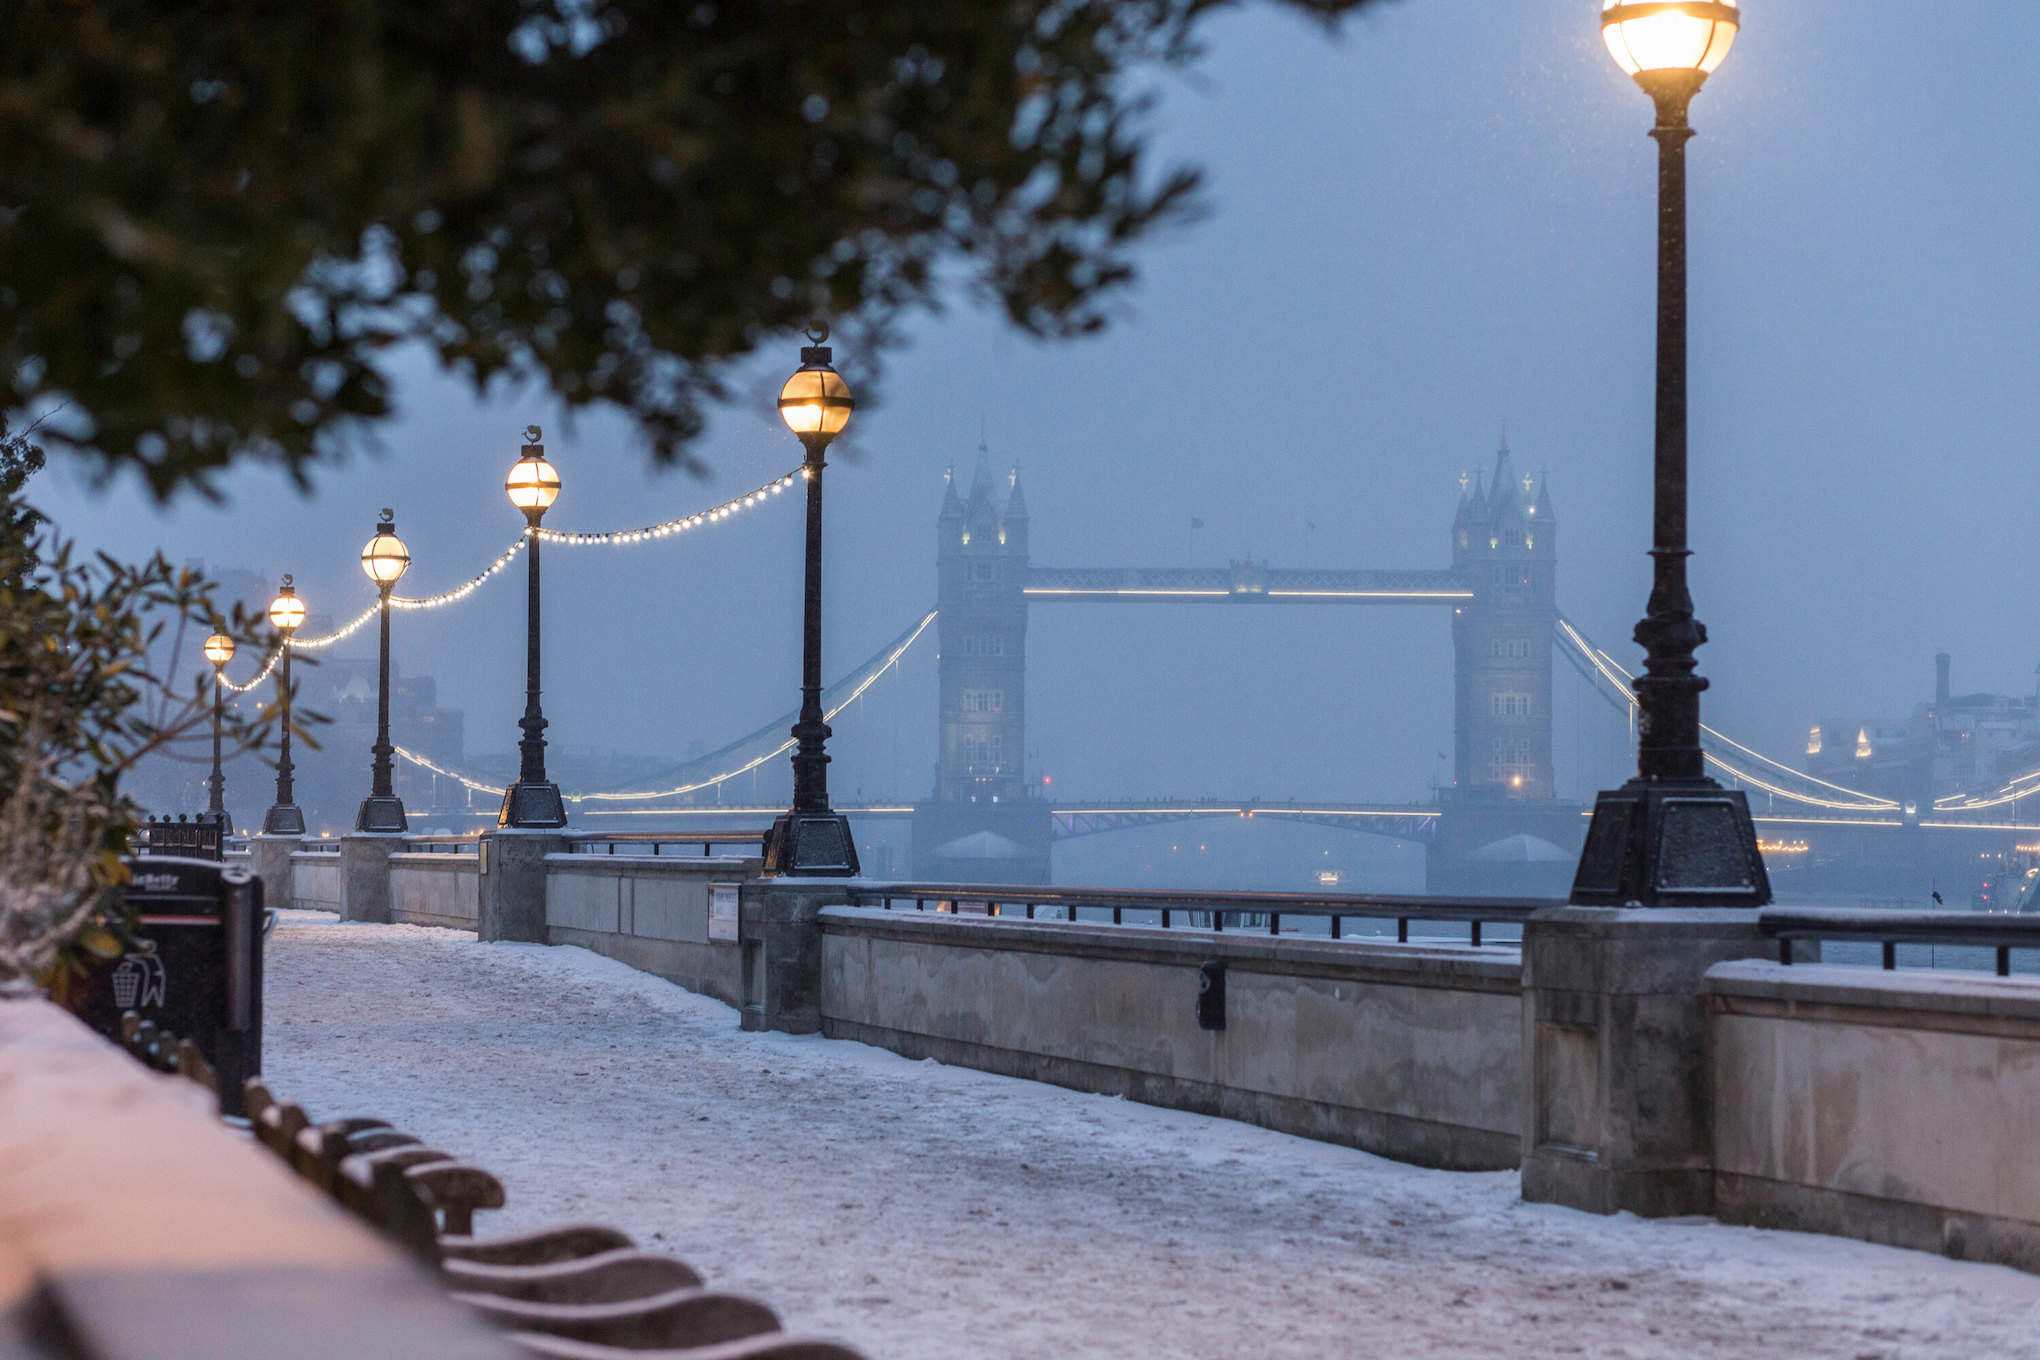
[(2000, 931), (469, 844), (1207, 910), (750, 841), (199, 838)]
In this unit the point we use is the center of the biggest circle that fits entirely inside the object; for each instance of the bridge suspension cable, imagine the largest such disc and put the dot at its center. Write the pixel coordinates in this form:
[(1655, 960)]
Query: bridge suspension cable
[(1616, 678), (858, 681), (2024, 786)]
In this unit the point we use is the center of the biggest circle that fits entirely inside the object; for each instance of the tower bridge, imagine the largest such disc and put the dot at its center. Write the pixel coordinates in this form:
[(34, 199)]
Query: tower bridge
[(984, 822), (1500, 827)]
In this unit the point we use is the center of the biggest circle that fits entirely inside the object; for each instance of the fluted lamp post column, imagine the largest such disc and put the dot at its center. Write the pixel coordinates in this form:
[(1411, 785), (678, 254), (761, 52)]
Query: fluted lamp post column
[(811, 840), (219, 649), (534, 801), (286, 612), (385, 559), (1671, 837)]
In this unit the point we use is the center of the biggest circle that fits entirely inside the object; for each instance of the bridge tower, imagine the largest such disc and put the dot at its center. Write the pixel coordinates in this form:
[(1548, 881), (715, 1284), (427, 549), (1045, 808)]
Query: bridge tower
[(1505, 544), (1505, 540), (982, 825)]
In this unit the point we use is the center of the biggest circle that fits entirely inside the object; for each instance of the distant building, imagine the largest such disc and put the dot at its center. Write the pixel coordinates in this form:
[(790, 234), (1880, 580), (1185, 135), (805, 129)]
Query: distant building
[(1967, 743), (332, 781)]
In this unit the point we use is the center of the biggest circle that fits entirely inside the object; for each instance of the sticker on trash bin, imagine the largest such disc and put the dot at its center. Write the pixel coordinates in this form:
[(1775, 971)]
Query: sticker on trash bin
[(722, 911), (139, 981)]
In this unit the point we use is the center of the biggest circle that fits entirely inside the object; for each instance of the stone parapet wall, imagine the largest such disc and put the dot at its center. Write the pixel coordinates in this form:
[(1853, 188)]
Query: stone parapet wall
[(314, 881), (1897, 1107), (1658, 1062), (1409, 1051), (435, 890), (652, 912)]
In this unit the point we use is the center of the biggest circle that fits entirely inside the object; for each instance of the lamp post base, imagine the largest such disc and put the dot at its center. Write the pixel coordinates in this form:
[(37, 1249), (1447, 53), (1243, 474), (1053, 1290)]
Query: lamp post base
[(811, 845), (534, 806), (381, 812), (283, 819), (1671, 843)]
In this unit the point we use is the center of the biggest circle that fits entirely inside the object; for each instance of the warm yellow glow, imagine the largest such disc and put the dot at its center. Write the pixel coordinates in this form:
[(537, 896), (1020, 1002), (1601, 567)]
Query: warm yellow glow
[(1813, 742), (532, 484), (816, 401), (286, 611), (385, 558), (219, 649), (1668, 35), (1862, 744), (1771, 847)]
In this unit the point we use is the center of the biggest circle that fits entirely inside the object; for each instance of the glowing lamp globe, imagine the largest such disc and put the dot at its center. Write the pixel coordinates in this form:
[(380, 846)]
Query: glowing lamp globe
[(816, 400), (286, 611), (385, 558), (219, 649), (1668, 35), (533, 484)]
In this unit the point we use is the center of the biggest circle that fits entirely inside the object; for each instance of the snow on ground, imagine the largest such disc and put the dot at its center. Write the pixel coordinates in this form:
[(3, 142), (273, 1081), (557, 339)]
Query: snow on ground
[(924, 1212)]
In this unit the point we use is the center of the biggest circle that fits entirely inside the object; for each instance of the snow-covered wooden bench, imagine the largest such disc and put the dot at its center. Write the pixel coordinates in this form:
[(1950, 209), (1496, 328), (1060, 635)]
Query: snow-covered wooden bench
[(581, 1290)]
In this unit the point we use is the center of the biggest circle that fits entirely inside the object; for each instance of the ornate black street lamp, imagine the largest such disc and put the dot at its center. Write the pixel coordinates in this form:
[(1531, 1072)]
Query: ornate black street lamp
[(1671, 836), (385, 559), (286, 612), (533, 801), (219, 649), (811, 840)]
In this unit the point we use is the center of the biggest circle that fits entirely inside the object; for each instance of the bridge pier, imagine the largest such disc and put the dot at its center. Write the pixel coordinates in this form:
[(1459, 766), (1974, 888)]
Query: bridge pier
[(1497, 847), (983, 842)]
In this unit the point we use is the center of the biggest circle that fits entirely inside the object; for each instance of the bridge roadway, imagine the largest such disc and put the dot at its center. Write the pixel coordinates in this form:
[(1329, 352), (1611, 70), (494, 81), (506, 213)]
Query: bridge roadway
[(1400, 821), (924, 1212), (1246, 582)]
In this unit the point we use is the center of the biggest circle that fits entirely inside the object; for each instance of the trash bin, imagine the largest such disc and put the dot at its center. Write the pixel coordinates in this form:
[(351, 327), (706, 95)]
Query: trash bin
[(194, 965)]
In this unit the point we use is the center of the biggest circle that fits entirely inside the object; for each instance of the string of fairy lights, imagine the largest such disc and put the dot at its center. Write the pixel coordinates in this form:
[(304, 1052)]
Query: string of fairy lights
[(715, 514), (670, 527)]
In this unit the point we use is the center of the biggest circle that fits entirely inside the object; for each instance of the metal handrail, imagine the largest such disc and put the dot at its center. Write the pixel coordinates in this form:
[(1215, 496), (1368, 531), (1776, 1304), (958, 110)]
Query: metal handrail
[(2001, 931), (707, 840), (467, 844), (1475, 912)]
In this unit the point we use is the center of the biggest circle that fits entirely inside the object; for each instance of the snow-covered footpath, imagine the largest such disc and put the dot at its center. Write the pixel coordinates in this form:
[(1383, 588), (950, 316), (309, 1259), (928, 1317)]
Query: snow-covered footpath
[(923, 1212)]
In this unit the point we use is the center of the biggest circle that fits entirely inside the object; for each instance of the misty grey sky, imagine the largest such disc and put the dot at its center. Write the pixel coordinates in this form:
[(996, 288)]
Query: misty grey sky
[(1438, 221)]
